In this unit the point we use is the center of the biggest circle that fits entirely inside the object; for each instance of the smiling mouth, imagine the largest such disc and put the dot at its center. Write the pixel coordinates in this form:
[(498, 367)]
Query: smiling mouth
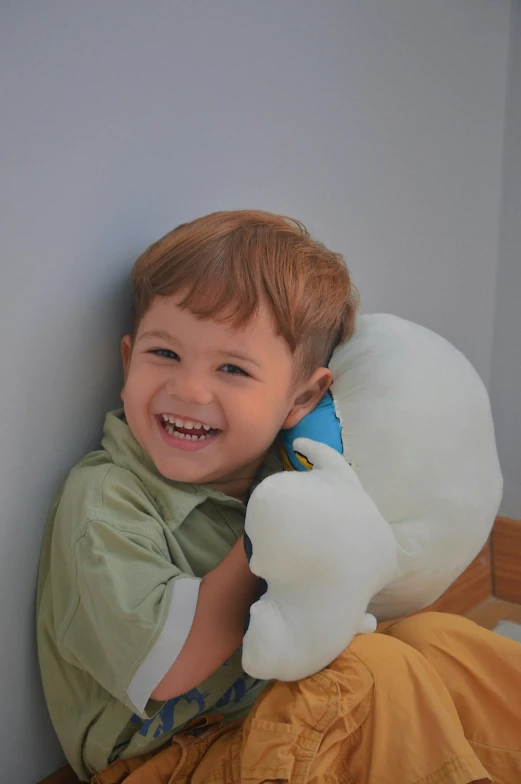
[(186, 429)]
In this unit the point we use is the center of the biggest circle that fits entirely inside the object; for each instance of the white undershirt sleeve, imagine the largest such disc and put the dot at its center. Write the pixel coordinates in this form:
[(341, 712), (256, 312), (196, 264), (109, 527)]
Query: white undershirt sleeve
[(169, 644)]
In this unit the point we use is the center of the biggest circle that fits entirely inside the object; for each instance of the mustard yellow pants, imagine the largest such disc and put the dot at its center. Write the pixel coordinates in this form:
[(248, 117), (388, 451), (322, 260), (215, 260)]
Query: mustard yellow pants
[(435, 698)]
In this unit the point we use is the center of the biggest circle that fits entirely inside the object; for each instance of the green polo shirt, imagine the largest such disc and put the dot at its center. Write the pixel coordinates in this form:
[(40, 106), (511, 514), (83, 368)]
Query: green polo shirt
[(123, 555)]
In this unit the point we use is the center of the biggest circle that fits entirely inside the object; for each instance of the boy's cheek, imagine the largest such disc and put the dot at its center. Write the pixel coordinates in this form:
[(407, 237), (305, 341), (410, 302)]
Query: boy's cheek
[(124, 391)]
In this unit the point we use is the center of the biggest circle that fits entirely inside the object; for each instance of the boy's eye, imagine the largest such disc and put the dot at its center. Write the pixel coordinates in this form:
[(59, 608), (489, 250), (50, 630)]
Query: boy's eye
[(164, 352), (233, 370)]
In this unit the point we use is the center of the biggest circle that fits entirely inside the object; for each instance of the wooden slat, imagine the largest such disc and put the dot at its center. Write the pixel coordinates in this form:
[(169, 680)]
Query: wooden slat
[(494, 610), (506, 547), (64, 775)]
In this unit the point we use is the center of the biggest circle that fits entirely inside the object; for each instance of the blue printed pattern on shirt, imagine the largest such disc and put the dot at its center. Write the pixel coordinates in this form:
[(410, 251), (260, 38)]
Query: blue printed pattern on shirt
[(164, 722)]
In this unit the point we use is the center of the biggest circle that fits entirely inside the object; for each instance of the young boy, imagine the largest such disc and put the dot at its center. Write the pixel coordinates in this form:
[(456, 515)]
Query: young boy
[(144, 585)]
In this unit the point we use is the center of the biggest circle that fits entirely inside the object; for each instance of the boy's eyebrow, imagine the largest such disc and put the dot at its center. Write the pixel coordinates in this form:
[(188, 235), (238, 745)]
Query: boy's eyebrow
[(155, 333)]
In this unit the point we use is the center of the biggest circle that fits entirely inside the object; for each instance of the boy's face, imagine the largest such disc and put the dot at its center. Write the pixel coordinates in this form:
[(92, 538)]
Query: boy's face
[(206, 401)]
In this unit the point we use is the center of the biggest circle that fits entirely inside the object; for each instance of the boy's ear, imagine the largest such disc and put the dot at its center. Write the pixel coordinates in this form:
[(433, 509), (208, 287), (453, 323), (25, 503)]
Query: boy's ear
[(126, 353), (308, 396)]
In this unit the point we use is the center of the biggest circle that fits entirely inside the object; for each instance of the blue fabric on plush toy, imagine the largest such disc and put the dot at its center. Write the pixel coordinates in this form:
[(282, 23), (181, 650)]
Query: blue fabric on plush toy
[(322, 424)]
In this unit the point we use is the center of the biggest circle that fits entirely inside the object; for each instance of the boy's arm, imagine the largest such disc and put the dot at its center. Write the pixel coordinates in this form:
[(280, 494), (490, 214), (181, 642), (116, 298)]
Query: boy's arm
[(225, 596)]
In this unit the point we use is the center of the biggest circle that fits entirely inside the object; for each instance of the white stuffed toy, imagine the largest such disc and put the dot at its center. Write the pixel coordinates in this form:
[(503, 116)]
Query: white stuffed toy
[(322, 568), (402, 496)]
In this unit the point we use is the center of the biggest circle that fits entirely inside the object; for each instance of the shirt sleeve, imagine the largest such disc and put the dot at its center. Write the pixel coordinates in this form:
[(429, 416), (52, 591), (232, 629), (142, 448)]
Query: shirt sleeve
[(134, 613)]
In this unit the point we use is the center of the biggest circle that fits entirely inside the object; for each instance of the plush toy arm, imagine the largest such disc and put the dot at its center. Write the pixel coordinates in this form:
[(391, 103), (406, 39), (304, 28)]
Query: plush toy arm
[(324, 550)]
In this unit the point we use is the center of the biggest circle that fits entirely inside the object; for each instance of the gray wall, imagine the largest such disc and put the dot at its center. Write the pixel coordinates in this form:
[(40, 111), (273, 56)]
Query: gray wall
[(379, 124), (506, 357)]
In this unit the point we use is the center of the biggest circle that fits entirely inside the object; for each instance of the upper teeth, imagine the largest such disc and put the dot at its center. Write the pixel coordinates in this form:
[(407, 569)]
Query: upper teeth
[(187, 424)]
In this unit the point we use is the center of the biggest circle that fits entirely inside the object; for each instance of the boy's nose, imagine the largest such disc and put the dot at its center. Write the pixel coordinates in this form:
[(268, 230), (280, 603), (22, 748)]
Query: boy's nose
[(190, 389)]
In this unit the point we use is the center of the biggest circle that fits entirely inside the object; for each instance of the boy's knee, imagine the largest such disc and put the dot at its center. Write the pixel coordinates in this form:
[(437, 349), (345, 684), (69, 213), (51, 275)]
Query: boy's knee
[(426, 629), (382, 655)]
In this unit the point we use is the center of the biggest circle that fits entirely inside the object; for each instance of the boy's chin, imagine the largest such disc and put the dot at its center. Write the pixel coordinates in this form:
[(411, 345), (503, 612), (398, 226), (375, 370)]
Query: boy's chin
[(180, 470), (193, 477)]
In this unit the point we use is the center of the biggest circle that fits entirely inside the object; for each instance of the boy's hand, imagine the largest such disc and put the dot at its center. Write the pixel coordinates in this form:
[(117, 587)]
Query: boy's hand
[(324, 549)]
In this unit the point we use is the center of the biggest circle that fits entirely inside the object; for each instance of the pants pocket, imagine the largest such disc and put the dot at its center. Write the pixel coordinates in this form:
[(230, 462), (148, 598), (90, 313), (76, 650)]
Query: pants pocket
[(276, 752)]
